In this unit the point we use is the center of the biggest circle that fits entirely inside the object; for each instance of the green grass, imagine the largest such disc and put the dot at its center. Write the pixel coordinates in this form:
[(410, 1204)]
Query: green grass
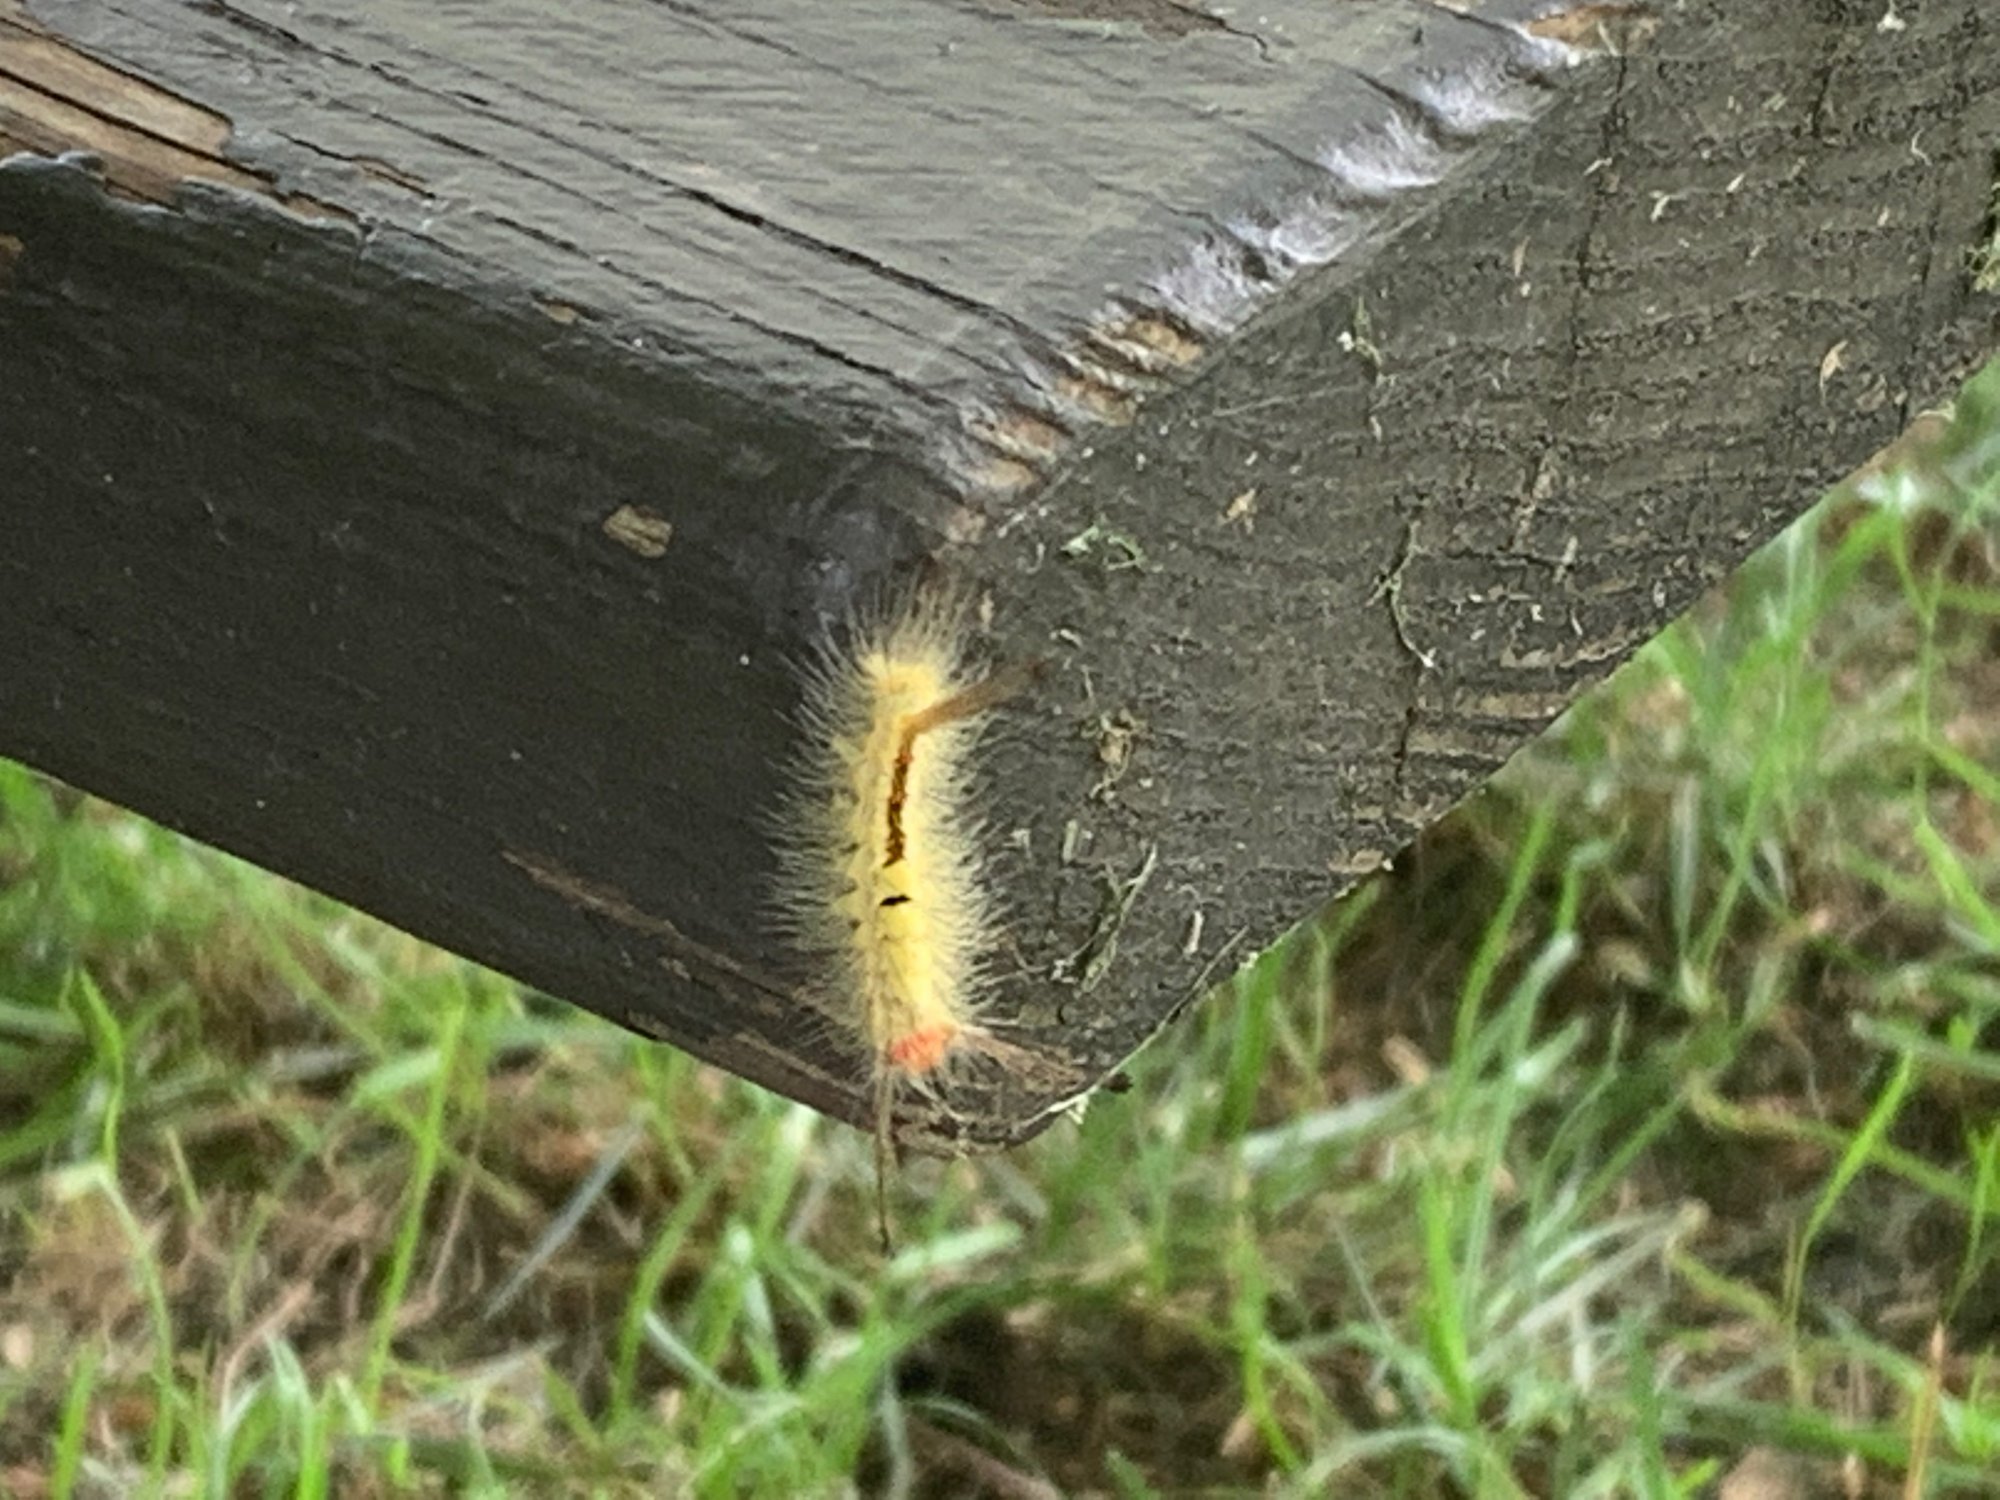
[(1637, 1132)]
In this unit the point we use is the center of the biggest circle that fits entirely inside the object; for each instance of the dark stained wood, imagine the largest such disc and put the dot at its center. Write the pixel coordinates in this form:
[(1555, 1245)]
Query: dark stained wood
[(430, 432)]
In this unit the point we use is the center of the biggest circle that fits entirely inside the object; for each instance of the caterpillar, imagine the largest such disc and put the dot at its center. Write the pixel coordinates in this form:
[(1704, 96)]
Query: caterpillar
[(883, 880)]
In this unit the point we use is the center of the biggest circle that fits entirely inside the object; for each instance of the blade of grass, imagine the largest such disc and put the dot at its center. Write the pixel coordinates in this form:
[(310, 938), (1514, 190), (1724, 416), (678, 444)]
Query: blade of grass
[(429, 1143)]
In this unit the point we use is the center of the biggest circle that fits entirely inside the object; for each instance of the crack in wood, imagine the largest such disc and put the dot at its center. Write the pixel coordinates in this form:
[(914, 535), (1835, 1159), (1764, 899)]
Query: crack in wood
[(1389, 587), (1170, 19), (608, 901)]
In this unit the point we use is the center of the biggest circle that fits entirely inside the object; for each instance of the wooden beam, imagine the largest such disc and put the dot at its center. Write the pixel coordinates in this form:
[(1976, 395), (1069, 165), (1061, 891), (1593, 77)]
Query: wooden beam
[(430, 436)]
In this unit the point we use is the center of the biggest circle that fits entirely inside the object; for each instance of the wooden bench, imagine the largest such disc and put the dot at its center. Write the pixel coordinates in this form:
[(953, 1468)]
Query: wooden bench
[(431, 434)]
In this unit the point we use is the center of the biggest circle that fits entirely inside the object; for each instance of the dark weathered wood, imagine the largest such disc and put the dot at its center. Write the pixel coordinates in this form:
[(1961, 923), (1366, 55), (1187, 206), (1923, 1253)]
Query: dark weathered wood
[(430, 431)]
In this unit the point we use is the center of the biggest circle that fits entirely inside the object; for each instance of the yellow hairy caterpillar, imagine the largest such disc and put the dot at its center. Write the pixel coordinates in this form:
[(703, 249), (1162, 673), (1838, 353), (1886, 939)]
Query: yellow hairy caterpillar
[(883, 876)]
